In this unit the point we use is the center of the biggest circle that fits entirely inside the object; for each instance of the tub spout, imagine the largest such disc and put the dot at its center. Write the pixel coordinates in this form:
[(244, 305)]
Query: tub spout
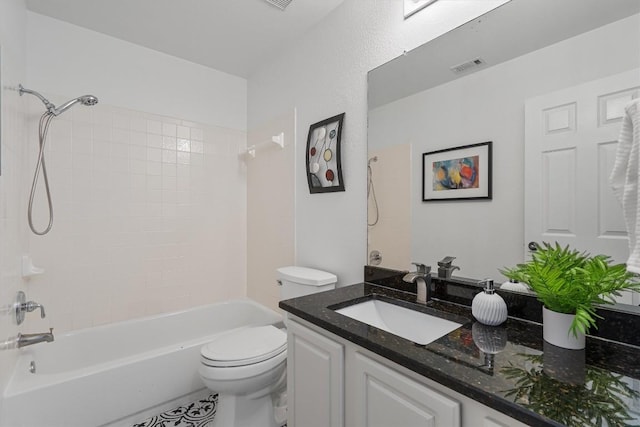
[(23, 340)]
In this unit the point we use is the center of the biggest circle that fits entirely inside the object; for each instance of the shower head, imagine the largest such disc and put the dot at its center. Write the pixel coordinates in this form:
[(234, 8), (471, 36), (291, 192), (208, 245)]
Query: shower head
[(84, 100), (88, 100), (373, 159)]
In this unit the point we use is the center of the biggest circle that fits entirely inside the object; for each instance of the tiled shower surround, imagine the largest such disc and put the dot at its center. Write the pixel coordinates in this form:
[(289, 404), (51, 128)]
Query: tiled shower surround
[(149, 215)]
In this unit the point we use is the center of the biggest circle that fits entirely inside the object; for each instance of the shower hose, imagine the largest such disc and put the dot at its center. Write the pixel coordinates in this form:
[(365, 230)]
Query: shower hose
[(45, 121)]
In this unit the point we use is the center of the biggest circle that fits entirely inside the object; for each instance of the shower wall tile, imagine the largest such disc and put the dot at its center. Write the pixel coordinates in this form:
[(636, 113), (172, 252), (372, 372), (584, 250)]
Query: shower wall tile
[(12, 208), (150, 216)]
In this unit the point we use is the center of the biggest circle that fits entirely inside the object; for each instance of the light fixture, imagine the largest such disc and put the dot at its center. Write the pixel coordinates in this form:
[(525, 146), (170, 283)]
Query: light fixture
[(280, 4), (413, 6)]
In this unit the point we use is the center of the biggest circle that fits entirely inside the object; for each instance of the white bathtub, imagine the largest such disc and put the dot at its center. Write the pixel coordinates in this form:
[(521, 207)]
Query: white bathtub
[(98, 376)]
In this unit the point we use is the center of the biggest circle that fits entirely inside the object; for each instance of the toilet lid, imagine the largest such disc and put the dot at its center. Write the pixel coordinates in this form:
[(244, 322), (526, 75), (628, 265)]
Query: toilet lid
[(245, 347)]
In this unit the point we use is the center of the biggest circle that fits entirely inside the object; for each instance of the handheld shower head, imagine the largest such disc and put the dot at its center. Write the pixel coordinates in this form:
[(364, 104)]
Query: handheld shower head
[(84, 100), (373, 159), (45, 121), (88, 100)]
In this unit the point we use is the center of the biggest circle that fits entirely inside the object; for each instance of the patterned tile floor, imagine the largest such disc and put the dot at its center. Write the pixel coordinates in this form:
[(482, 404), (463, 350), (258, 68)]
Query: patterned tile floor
[(196, 414)]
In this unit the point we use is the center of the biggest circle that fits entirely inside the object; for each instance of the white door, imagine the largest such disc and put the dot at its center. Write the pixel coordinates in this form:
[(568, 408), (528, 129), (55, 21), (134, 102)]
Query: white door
[(570, 144)]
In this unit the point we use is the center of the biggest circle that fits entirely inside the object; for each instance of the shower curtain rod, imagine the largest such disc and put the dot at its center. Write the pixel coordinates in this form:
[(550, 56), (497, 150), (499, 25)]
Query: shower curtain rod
[(276, 139)]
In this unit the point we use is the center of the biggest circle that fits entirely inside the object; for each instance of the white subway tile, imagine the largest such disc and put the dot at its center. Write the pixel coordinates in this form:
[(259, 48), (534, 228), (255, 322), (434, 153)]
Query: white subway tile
[(121, 121), (169, 129), (122, 136), (154, 126), (154, 141), (135, 194), (168, 156), (183, 132), (197, 134), (139, 124)]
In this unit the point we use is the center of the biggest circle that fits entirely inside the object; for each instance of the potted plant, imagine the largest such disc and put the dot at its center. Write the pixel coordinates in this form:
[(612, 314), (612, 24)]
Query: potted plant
[(604, 396), (570, 284)]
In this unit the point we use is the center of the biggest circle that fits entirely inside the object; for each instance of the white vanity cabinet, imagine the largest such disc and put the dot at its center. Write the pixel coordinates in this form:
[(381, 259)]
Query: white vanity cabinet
[(383, 397), (335, 383), (315, 378)]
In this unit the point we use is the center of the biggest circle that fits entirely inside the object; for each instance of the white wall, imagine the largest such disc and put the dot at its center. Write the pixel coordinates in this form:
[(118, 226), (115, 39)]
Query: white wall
[(489, 106), (69, 60), (324, 74), (390, 198), (13, 58), (270, 209)]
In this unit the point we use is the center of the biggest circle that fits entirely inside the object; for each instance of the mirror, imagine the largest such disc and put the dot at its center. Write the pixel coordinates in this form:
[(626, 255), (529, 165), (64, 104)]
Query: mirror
[(473, 85), (1, 87)]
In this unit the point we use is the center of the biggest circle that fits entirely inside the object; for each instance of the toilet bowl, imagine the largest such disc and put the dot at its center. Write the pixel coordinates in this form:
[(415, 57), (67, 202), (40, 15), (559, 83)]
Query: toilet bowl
[(247, 367)]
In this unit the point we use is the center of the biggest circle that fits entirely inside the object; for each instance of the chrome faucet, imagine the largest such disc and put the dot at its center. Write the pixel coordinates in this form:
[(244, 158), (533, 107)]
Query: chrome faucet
[(23, 340), (21, 307), (422, 279), (445, 269)]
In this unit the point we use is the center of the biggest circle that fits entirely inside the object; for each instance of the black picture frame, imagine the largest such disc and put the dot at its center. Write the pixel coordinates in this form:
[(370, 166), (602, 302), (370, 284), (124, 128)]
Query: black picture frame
[(458, 173), (323, 158)]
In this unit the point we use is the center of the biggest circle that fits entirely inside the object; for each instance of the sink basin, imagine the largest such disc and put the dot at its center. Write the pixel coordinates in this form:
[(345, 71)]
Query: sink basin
[(415, 326)]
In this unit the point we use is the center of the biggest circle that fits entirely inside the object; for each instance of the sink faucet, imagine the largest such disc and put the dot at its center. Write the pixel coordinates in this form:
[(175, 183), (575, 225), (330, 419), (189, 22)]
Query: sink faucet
[(422, 279), (23, 340), (445, 269)]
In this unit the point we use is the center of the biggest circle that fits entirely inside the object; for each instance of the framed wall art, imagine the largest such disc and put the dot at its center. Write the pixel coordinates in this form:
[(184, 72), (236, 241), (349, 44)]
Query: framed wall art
[(324, 166), (457, 173)]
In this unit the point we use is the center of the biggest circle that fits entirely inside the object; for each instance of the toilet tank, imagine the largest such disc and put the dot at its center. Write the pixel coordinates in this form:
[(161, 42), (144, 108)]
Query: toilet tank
[(300, 281)]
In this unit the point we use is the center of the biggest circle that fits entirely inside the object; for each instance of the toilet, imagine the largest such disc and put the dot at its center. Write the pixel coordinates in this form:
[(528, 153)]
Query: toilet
[(247, 367)]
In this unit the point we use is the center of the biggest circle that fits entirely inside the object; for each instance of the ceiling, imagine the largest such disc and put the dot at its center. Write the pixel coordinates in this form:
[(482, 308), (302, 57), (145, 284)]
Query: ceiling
[(484, 37), (234, 36)]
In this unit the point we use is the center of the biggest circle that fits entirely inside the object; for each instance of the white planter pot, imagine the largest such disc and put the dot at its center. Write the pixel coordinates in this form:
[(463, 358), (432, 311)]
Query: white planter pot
[(556, 330)]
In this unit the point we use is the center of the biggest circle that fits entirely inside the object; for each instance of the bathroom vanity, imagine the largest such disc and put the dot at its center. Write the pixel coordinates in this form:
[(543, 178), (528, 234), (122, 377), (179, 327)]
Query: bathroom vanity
[(344, 372)]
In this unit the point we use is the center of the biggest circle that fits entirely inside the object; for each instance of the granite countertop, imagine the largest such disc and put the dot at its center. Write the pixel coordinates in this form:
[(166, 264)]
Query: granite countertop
[(517, 374)]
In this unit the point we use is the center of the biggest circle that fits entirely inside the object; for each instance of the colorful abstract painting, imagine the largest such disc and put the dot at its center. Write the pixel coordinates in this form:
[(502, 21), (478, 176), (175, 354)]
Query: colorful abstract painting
[(458, 173), (455, 174)]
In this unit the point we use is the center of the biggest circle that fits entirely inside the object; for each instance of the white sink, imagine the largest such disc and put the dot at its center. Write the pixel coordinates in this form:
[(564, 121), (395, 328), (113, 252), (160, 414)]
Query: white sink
[(415, 326)]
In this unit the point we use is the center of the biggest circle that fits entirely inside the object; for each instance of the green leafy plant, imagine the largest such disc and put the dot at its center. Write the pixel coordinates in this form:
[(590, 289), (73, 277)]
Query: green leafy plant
[(602, 397), (573, 282)]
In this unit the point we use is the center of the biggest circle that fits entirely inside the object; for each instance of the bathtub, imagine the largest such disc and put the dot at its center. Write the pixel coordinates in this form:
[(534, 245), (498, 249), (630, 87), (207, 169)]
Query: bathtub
[(107, 374)]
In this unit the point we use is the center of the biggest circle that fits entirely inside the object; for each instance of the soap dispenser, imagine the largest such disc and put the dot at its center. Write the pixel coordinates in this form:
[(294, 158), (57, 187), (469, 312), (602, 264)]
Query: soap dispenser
[(488, 307), (515, 286)]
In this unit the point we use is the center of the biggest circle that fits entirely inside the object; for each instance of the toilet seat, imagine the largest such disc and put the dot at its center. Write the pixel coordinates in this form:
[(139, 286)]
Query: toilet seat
[(245, 347)]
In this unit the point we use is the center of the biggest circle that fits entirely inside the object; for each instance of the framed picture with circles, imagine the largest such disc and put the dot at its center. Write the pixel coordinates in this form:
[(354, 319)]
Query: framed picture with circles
[(324, 167)]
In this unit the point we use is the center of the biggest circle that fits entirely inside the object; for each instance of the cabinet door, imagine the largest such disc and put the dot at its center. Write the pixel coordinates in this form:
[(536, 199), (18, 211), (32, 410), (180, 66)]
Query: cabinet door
[(315, 379), (384, 397)]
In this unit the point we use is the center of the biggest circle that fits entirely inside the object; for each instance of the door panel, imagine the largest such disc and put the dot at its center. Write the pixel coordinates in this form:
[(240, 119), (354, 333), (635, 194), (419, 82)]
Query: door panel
[(570, 143)]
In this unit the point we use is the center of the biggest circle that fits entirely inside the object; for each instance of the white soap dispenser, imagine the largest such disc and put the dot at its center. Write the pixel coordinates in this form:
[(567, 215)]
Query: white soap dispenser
[(515, 285), (488, 307)]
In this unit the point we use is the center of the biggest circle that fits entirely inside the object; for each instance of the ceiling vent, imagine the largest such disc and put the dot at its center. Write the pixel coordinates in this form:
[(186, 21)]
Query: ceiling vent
[(468, 66), (280, 4)]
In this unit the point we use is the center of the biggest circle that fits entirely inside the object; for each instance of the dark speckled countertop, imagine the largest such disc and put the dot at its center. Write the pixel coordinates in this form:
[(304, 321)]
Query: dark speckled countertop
[(517, 373)]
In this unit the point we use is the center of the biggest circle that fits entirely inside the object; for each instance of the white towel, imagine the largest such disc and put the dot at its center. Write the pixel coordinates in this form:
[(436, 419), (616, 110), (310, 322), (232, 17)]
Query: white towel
[(625, 177)]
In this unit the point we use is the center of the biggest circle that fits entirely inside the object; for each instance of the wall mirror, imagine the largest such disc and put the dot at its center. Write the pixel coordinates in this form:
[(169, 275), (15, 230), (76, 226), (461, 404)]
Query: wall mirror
[(523, 75), (1, 89)]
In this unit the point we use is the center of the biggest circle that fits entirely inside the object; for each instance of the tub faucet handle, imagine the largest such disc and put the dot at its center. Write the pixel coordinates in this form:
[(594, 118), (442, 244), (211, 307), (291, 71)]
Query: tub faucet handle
[(31, 306)]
